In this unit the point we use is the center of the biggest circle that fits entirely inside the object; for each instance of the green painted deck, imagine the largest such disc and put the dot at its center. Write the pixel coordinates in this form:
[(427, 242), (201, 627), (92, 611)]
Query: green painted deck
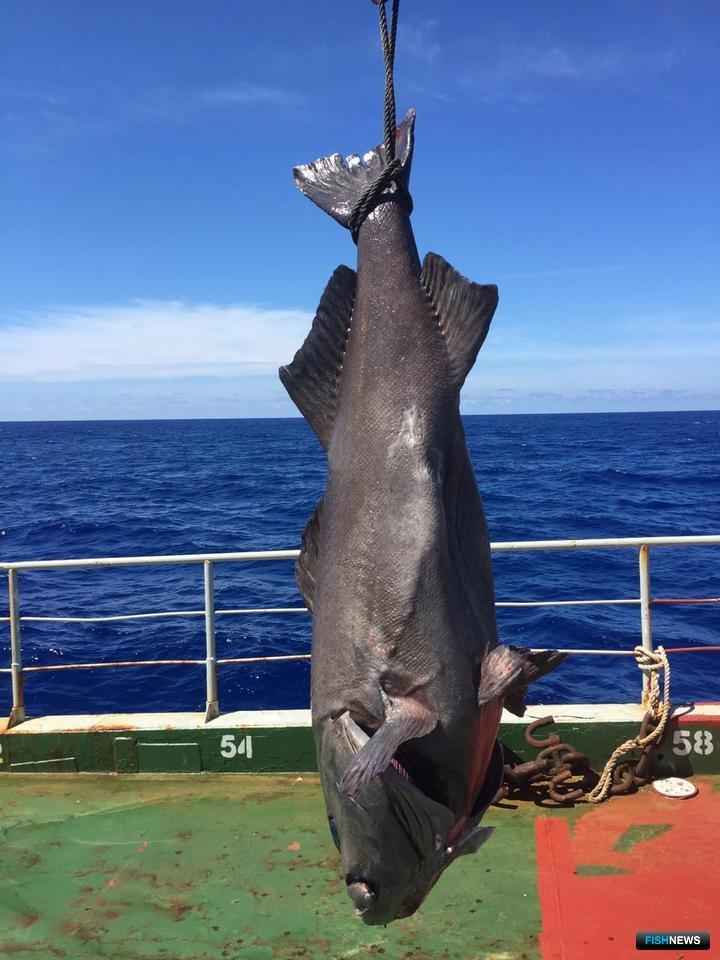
[(216, 866)]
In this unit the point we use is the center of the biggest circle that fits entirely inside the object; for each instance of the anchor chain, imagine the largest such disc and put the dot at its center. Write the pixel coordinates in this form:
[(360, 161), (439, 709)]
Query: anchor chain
[(559, 771), (563, 774)]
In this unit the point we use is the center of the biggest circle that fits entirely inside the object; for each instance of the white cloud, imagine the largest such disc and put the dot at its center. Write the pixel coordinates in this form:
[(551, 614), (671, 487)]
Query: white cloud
[(682, 357), (504, 68), (514, 72), (176, 105), (247, 93), (171, 358), (559, 272), (104, 108), (648, 365), (594, 64), (418, 39), (149, 340)]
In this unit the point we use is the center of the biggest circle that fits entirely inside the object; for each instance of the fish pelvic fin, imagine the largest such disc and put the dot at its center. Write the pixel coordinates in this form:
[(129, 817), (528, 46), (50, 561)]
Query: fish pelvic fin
[(471, 842), (463, 310), (336, 183), (306, 564), (312, 377), (508, 671), (405, 719)]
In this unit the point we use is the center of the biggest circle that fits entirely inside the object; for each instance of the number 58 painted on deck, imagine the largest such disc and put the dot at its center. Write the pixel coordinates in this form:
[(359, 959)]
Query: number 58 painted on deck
[(230, 749), (684, 742)]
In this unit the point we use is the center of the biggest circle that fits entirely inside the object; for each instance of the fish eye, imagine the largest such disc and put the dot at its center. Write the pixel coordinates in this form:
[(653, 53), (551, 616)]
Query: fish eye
[(334, 831)]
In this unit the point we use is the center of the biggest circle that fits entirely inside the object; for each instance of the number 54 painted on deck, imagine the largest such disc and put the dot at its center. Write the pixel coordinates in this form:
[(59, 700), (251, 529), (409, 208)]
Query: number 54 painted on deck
[(230, 749)]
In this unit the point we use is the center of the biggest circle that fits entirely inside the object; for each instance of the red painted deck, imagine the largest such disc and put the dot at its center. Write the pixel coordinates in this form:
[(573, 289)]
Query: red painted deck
[(600, 880)]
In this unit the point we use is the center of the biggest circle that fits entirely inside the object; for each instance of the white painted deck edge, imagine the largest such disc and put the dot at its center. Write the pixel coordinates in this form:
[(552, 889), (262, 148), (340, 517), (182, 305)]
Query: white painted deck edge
[(562, 713)]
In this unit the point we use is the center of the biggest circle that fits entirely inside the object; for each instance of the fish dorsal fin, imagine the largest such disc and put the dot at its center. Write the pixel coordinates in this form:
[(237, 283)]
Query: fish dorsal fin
[(463, 309), (306, 565), (311, 378)]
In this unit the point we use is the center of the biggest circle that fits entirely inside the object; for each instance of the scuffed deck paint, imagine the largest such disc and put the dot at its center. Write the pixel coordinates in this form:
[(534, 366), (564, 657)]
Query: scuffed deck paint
[(179, 867), (193, 868)]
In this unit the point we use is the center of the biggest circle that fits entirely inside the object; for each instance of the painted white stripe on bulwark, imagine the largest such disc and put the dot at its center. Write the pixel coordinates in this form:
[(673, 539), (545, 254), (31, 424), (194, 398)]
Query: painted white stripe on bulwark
[(283, 719)]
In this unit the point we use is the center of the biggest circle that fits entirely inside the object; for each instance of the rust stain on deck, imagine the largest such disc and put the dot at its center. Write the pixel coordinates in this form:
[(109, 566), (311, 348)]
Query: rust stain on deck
[(208, 867)]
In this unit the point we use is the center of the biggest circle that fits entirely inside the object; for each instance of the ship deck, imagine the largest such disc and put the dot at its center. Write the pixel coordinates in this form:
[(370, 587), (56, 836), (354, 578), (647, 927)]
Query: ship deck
[(189, 867)]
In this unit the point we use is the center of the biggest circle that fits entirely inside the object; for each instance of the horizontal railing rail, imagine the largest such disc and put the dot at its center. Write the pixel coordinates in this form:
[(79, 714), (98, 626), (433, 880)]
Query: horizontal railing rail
[(209, 612), (258, 611), (500, 546)]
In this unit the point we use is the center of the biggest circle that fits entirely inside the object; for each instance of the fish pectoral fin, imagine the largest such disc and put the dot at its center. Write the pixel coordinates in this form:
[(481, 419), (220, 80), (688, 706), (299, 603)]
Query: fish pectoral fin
[(463, 309), (306, 564), (405, 719), (508, 671), (311, 379)]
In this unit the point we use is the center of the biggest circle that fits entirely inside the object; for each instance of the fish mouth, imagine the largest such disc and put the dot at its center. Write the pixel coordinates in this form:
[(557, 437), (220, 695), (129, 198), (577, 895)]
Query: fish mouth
[(397, 774), (362, 895), (428, 825), (396, 765), (358, 735)]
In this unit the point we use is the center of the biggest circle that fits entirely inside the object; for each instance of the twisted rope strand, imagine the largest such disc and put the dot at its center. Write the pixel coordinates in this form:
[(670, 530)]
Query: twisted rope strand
[(393, 171), (650, 662), (388, 45)]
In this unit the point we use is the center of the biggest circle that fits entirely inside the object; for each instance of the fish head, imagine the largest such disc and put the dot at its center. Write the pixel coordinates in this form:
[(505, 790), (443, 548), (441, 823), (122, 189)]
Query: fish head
[(392, 837)]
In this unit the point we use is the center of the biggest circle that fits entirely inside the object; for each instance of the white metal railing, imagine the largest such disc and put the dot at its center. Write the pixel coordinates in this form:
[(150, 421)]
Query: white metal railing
[(209, 612)]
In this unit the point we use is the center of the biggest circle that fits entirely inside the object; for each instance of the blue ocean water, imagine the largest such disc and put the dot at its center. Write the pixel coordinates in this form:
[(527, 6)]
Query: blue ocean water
[(86, 489)]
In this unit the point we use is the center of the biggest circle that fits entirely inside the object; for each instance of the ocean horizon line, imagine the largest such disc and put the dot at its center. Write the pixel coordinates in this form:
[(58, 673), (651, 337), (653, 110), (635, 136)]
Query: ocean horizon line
[(534, 413)]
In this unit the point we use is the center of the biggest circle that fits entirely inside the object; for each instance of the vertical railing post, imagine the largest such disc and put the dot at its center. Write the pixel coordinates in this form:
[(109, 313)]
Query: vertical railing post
[(645, 612), (211, 695), (17, 714)]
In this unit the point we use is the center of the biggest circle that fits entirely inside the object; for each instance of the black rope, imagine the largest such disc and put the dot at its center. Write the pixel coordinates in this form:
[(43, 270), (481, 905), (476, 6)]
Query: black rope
[(388, 45), (393, 171)]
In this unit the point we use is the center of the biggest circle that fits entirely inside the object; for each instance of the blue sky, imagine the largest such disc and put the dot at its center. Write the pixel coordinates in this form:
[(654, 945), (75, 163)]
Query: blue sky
[(157, 261)]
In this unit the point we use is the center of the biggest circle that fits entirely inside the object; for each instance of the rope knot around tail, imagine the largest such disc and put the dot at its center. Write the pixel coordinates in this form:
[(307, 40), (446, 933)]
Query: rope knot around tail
[(651, 663), (393, 173)]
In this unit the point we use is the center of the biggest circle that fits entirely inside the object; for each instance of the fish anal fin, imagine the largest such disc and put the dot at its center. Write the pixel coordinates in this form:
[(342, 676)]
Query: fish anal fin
[(464, 310), (311, 378), (306, 563), (507, 672), (405, 719)]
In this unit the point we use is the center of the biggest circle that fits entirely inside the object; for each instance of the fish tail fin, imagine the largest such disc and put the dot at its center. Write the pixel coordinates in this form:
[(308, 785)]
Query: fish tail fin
[(508, 671), (336, 183)]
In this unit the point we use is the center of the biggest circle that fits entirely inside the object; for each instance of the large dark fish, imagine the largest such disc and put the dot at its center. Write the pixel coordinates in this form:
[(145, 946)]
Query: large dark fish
[(408, 679)]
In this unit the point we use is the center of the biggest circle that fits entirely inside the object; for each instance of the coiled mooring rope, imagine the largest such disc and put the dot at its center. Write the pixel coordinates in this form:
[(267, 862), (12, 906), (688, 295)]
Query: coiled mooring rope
[(650, 662)]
